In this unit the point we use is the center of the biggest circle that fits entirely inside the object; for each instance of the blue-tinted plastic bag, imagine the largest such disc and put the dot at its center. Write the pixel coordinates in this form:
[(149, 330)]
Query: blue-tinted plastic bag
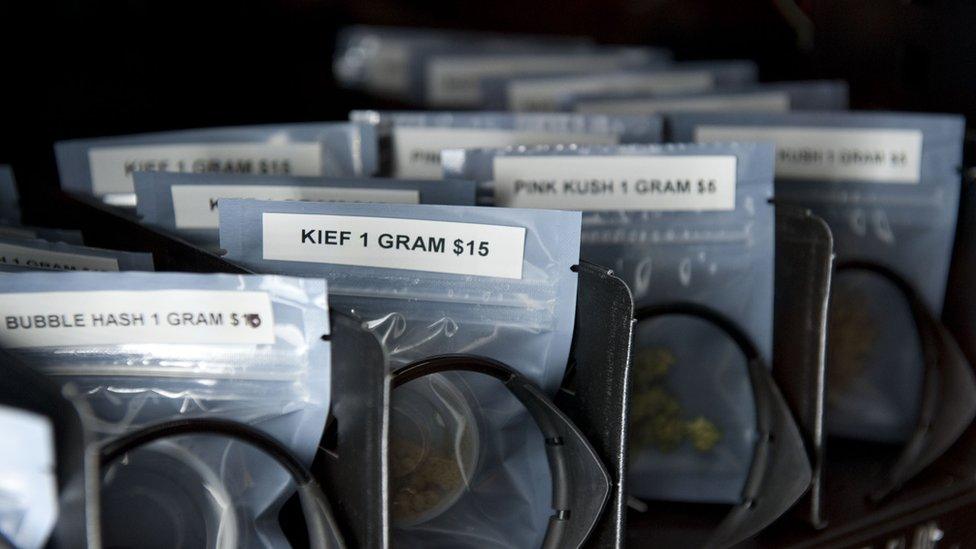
[(67, 236), (452, 77), (813, 95), (500, 284), (186, 204), (28, 485), (410, 142), (133, 349), (104, 166), (546, 93), (678, 223), (58, 256), (381, 60), (888, 186)]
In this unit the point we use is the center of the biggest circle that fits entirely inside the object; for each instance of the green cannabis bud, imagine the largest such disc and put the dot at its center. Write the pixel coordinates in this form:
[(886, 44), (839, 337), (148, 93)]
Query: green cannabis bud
[(852, 336), (421, 479), (704, 434), (655, 413)]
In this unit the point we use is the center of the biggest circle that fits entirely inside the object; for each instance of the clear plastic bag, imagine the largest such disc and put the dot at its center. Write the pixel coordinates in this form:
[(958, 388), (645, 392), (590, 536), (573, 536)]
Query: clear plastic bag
[(123, 375), (410, 143), (104, 166), (28, 486), (468, 464), (380, 59), (812, 95), (67, 236), (888, 186), (693, 425), (59, 256), (186, 204), (546, 93), (451, 76), (10, 216)]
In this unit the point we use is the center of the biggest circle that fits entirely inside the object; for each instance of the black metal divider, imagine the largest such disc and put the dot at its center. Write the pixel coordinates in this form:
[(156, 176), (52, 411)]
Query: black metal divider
[(804, 265), (360, 410), (595, 392)]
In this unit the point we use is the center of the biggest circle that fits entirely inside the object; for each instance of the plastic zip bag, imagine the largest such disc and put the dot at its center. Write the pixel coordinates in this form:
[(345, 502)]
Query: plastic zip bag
[(186, 204), (104, 166), (678, 223), (451, 77), (10, 216), (28, 487), (544, 93), (68, 236), (888, 186), (812, 95), (468, 466), (134, 349), (410, 142), (379, 59), (58, 256)]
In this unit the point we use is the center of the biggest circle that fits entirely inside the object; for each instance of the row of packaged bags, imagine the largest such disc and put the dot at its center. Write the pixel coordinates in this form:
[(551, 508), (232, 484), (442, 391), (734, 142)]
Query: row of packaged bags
[(679, 205)]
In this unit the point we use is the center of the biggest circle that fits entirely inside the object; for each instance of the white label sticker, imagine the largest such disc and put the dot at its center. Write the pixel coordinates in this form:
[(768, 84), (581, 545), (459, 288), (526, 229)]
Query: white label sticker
[(112, 167), (544, 95), (751, 102), (412, 244), (195, 206), (875, 155), (201, 317), (456, 80), (11, 254), (417, 151), (600, 183)]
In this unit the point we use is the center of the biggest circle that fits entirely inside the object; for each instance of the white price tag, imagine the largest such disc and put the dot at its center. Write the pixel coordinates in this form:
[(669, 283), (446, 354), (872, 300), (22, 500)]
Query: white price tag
[(202, 317), (871, 155), (600, 183), (417, 151), (195, 206), (544, 94), (112, 167), (751, 102), (11, 254), (411, 244)]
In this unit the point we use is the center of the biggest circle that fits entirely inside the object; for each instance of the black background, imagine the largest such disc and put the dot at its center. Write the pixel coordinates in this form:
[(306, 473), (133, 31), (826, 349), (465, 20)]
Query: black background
[(87, 68)]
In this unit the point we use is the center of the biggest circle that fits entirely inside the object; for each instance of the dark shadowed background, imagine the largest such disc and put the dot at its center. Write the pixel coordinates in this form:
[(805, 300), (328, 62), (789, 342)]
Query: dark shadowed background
[(88, 68)]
